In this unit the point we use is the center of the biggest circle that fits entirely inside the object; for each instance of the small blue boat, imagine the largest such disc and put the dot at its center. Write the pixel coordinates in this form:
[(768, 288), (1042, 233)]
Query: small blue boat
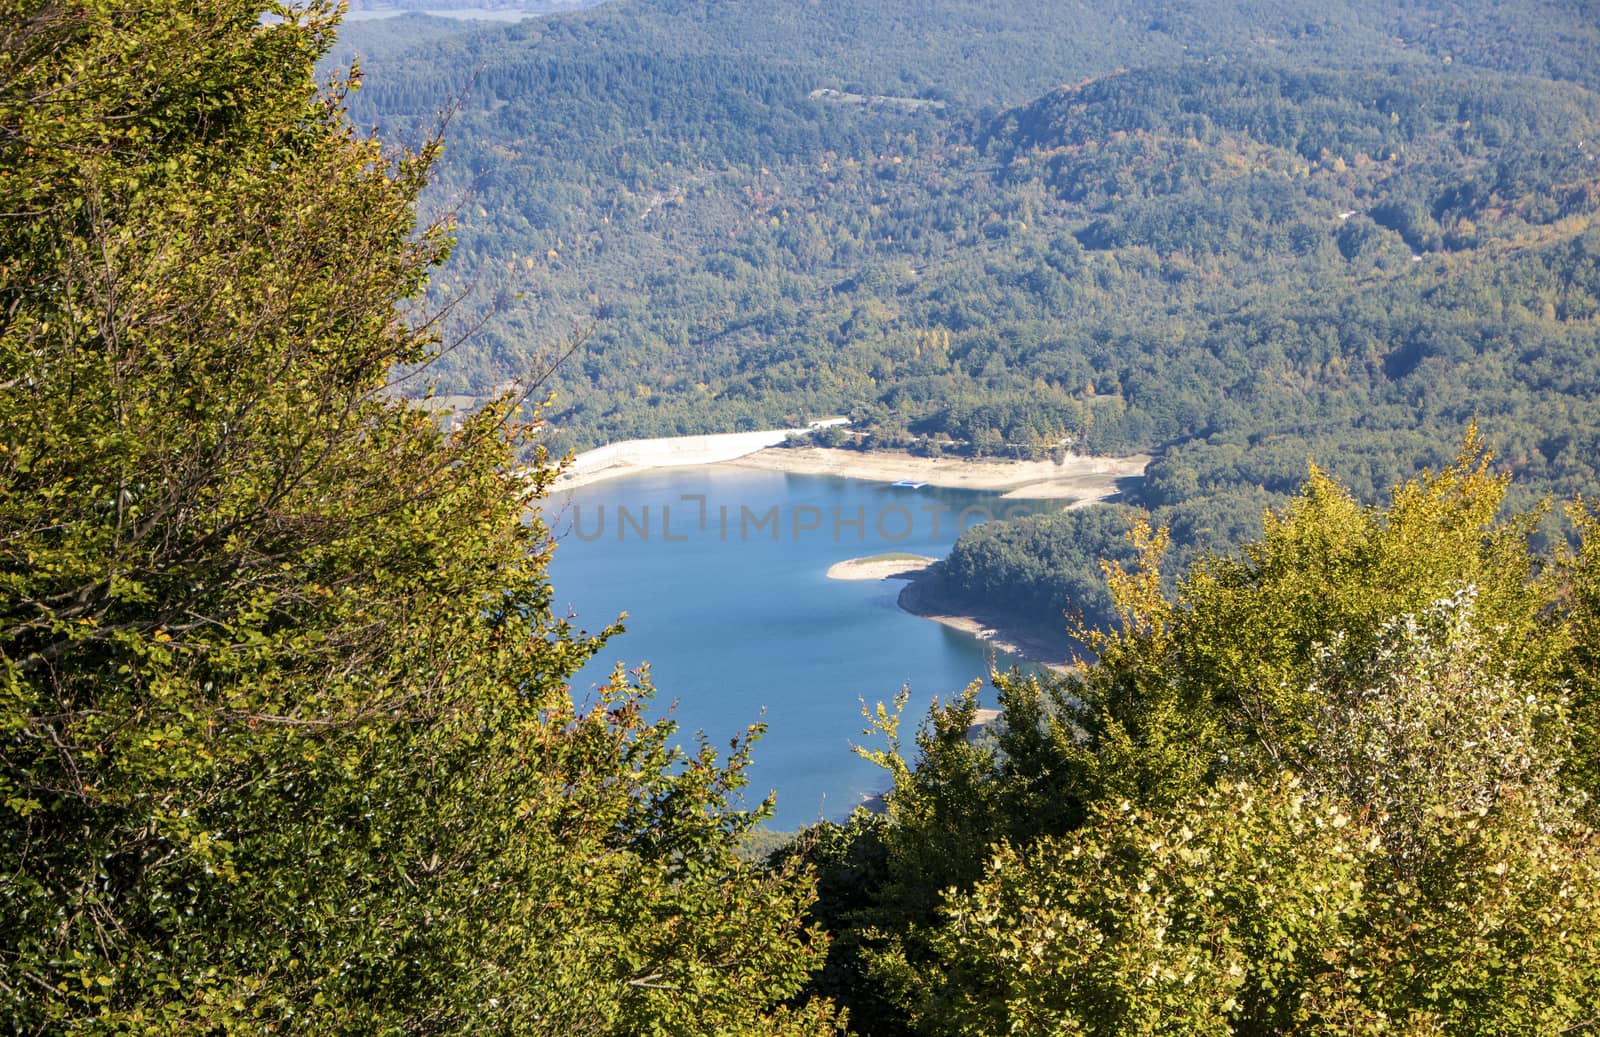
[(907, 484)]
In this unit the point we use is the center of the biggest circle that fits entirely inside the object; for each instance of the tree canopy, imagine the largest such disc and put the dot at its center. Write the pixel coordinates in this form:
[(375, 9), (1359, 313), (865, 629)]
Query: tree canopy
[(1339, 781), (286, 739)]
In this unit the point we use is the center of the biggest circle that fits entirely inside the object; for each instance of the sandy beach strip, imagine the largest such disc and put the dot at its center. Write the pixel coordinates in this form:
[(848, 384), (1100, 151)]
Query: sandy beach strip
[(880, 567), (637, 455), (1076, 479)]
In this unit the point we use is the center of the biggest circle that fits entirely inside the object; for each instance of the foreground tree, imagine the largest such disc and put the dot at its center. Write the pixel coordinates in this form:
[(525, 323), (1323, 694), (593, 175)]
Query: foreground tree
[(286, 739), (1219, 679), (1581, 665), (1426, 872), (1168, 837)]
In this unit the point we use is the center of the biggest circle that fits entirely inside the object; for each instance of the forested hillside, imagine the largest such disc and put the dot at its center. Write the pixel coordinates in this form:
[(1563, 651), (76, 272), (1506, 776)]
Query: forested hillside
[(1240, 240)]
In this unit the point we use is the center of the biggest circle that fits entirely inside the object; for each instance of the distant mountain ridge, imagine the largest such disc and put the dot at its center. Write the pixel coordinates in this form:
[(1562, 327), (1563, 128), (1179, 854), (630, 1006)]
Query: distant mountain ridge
[(1007, 51)]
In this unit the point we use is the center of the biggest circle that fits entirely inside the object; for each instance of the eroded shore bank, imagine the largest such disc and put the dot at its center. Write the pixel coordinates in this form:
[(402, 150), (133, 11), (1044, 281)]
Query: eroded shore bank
[(1074, 480), (927, 595)]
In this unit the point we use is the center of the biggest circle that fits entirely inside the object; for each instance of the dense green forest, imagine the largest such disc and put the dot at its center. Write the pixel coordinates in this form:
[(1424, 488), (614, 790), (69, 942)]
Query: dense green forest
[(1241, 240)]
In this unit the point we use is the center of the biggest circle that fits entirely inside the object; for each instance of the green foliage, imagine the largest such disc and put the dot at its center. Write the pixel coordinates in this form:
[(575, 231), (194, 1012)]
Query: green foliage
[(882, 879), (1220, 677), (850, 863), (1337, 781), (1042, 565), (1145, 924), (1426, 725), (939, 825), (286, 739), (1580, 667), (1425, 873)]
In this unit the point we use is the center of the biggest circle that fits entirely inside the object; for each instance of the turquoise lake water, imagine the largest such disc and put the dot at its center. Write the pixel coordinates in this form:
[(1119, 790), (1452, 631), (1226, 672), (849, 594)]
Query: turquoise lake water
[(722, 574)]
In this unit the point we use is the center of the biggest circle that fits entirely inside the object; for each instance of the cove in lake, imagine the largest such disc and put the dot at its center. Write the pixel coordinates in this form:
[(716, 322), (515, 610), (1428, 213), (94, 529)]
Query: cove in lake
[(722, 572)]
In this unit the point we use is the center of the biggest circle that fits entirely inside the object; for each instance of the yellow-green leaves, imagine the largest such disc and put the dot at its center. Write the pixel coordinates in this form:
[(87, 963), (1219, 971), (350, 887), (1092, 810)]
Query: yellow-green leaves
[(1336, 784), (286, 741)]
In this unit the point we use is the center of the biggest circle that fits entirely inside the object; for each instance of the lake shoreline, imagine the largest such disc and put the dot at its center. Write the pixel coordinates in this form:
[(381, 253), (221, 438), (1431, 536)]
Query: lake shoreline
[(927, 595), (631, 456), (1075, 481)]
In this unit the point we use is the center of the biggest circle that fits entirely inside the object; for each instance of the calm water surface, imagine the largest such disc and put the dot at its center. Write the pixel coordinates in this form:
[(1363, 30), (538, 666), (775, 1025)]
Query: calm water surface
[(722, 575)]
